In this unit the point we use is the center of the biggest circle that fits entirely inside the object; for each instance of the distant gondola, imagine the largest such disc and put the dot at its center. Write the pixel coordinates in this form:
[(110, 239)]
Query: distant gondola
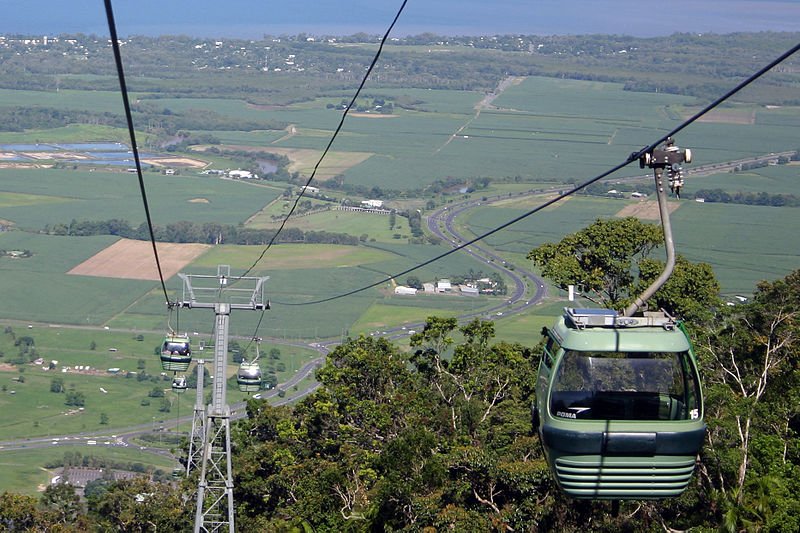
[(179, 384), (619, 407), (249, 377), (176, 353)]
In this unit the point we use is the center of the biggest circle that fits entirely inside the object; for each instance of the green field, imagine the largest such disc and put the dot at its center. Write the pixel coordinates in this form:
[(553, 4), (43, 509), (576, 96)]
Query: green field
[(65, 195), (543, 128), (83, 358), (779, 179), (374, 226), (100, 101), (23, 473), (744, 244)]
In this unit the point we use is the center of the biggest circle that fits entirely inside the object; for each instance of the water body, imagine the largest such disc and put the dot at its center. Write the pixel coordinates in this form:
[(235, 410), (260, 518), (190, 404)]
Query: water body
[(254, 19), (91, 147)]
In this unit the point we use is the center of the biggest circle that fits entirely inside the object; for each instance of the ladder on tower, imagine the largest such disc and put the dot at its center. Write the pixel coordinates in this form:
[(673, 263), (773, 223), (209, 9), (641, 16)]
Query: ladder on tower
[(210, 447)]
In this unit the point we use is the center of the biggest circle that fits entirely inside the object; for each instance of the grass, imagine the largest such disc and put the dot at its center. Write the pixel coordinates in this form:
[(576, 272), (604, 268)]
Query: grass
[(84, 195), (524, 329), (374, 226), (738, 241), (744, 244), (33, 410), (39, 289), (23, 472), (780, 179), (548, 225), (291, 256), (382, 316), (96, 101)]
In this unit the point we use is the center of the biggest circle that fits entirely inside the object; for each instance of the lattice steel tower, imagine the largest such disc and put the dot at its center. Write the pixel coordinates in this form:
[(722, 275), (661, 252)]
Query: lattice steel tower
[(215, 486)]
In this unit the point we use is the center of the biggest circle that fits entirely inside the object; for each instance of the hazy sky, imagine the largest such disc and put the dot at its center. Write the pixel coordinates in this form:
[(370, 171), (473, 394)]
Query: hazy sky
[(254, 18)]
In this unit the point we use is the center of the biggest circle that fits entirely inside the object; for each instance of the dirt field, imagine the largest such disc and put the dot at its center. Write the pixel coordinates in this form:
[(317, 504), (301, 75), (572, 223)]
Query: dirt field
[(645, 210), (128, 259), (177, 162)]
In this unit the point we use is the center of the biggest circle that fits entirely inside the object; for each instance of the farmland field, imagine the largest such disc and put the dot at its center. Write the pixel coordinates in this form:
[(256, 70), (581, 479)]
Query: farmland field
[(84, 195), (542, 128), (374, 226), (291, 257), (738, 241), (23, 472)]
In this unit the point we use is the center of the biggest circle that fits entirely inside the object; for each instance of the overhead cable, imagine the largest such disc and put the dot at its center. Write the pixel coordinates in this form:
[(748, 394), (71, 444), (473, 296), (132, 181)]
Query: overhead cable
[(112, 28)]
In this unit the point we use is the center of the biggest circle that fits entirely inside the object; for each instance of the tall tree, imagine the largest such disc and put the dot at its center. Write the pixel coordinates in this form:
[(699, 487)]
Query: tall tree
[(753, 386), (600, 258), (690, 293)]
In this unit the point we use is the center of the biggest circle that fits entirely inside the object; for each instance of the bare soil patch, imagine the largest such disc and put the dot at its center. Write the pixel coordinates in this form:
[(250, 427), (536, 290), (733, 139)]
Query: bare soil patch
[(23, 165), (645, 210), (129, 259), (70, 156), (183, 162), (199, 201)]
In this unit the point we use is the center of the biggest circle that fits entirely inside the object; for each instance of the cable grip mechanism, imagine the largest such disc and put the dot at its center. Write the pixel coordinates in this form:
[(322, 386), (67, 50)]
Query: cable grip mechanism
[(669, 157)]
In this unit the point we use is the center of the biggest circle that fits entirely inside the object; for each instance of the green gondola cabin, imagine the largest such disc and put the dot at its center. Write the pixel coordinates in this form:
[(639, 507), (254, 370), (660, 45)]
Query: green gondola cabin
[(176, 353), (619, 407)]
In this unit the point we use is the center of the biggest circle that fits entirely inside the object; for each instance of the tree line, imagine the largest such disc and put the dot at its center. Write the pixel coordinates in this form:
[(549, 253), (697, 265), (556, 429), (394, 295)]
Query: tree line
[(196, 232), (748, 198), (21, 118)]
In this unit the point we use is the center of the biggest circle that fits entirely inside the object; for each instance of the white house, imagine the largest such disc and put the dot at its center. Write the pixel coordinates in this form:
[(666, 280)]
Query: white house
[(468, 291), (241, 174), (374, 204), (444, 285), (400, 289)]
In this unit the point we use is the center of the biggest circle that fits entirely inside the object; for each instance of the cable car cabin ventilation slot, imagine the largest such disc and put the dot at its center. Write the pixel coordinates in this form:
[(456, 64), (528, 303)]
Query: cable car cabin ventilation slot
[(583, 318), (623, 479)]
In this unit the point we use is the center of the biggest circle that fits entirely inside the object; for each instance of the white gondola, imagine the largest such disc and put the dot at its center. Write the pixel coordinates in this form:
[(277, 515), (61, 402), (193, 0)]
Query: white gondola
[(179, 384), (249, 377), (176, 353)]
